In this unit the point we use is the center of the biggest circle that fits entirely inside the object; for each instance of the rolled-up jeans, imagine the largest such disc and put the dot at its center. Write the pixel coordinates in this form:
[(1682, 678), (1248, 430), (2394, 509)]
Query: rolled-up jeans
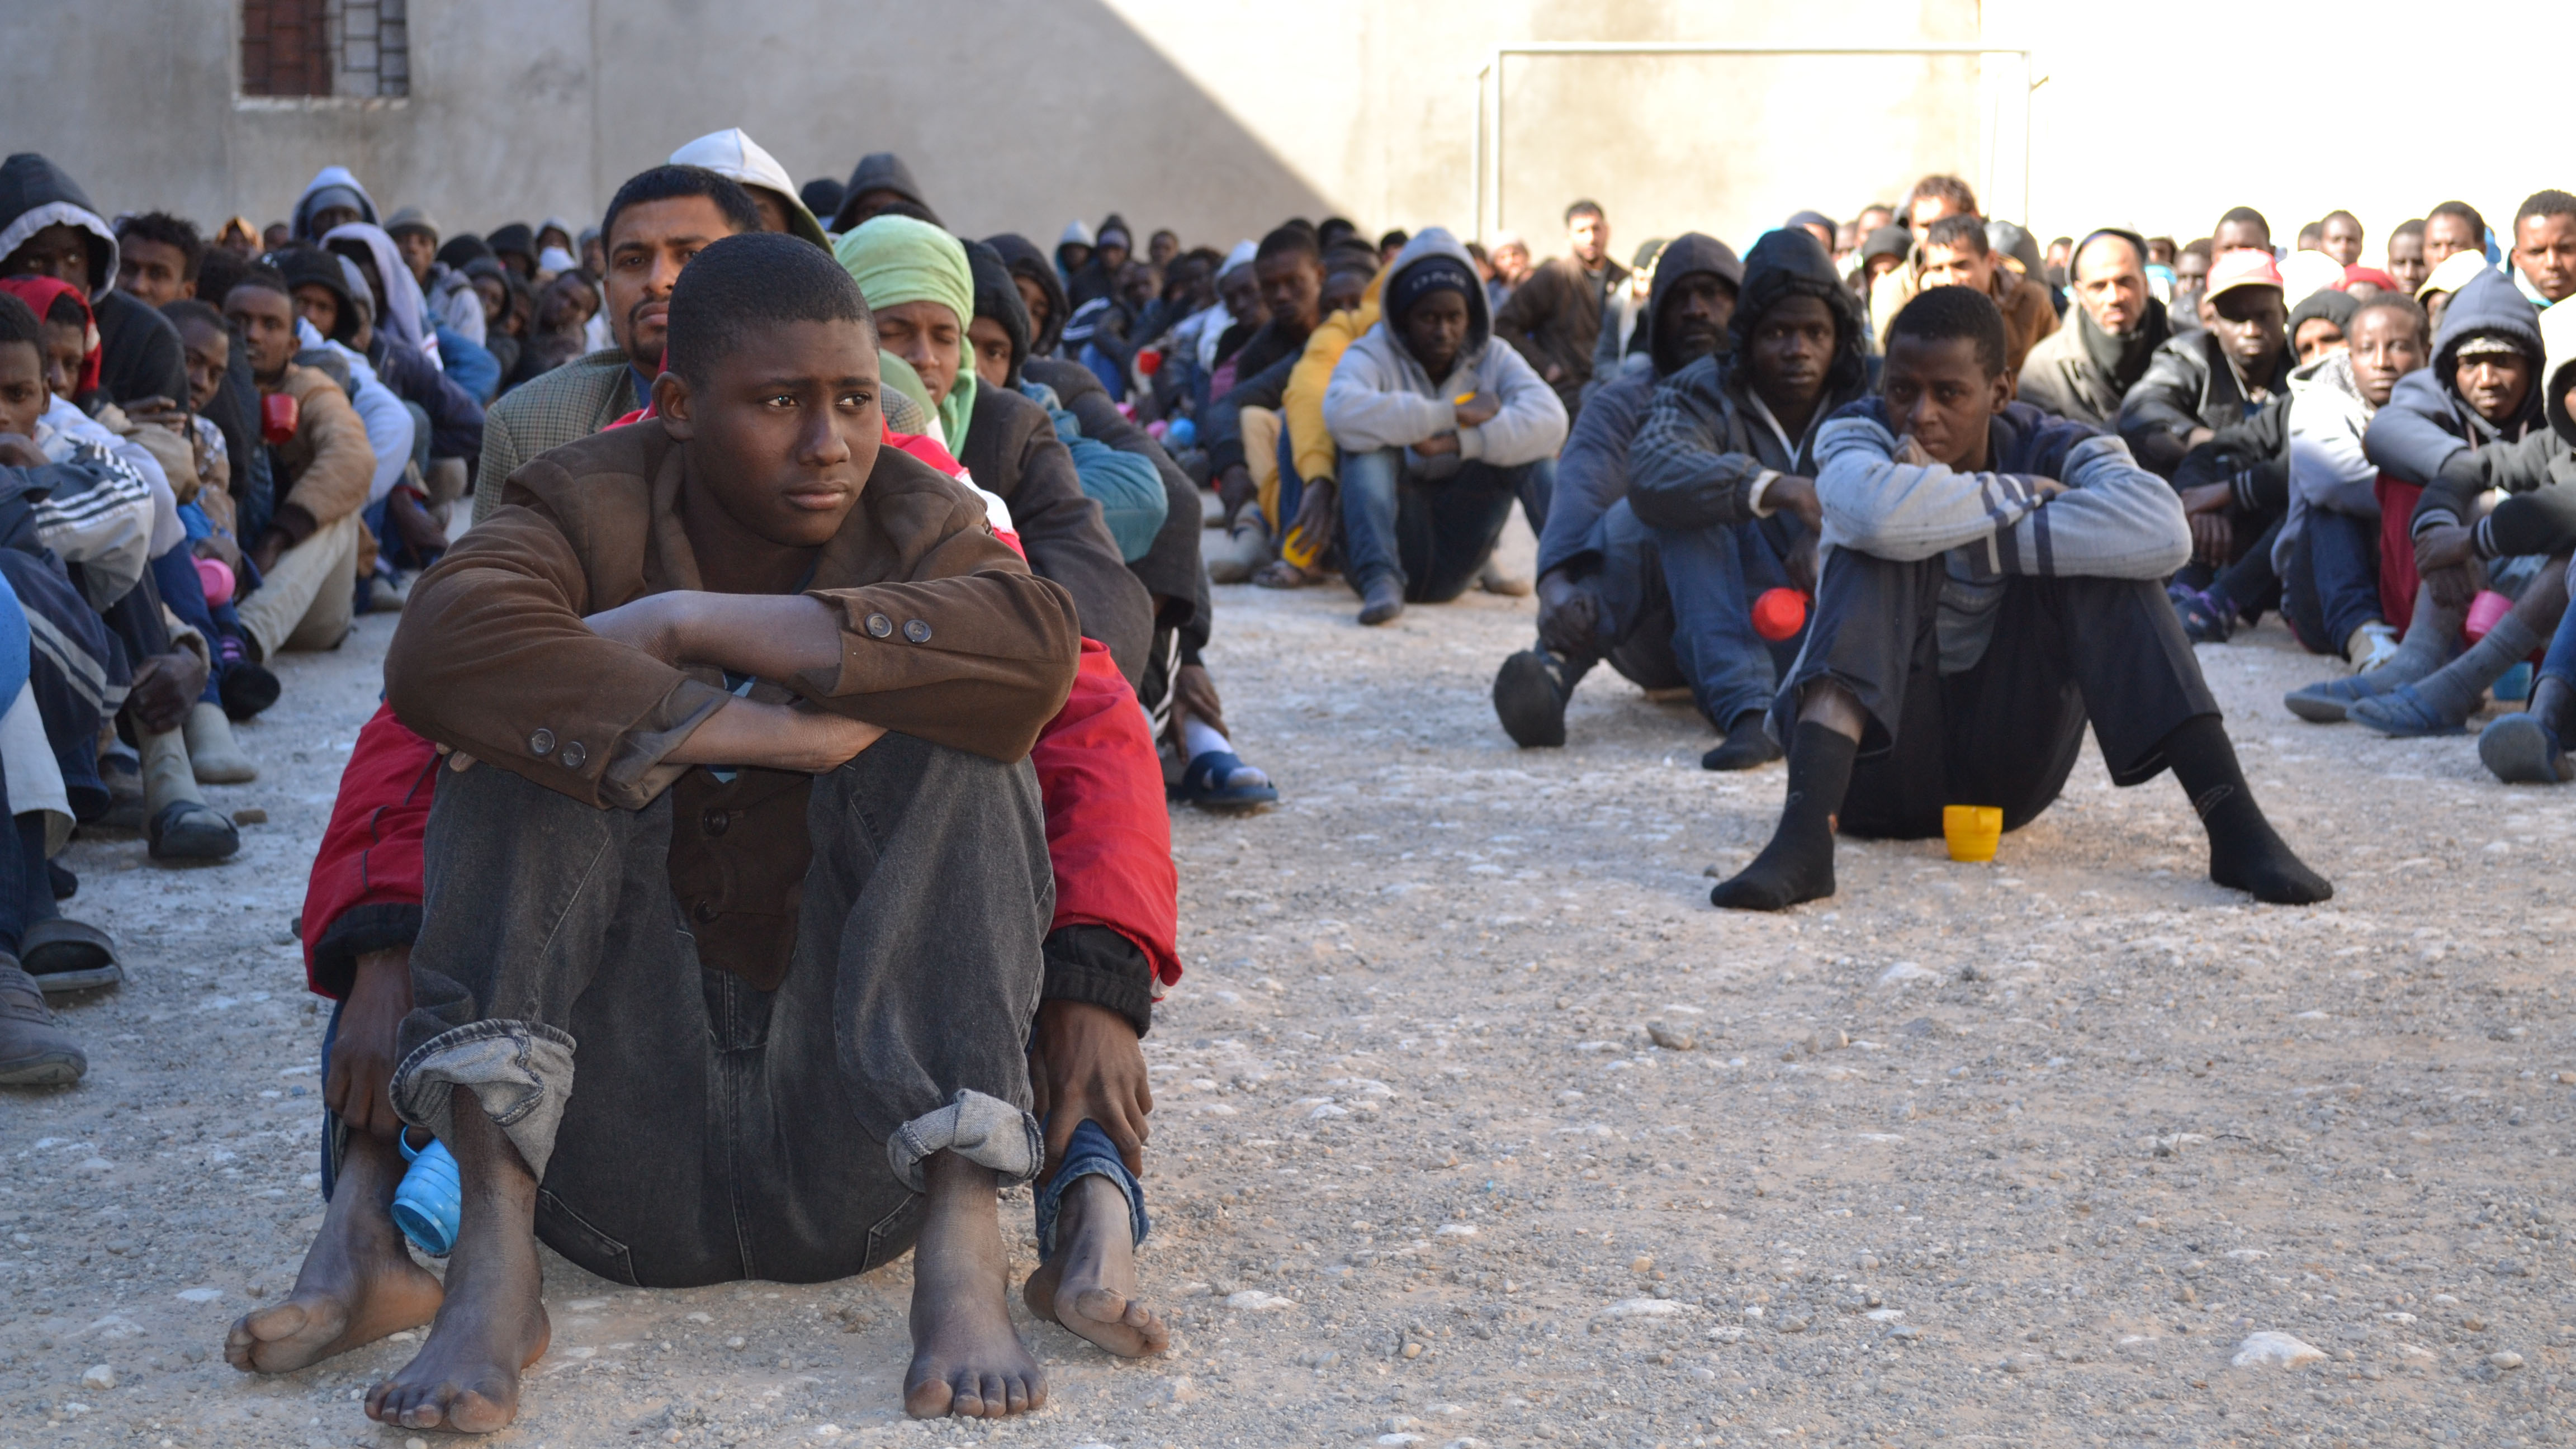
[(686, 1126), (1431, 534), (1089, 1154)]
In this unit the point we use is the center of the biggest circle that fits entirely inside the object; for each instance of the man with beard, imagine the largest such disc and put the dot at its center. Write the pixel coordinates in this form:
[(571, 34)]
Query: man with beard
[(1602, 587), (2082, 372), (657, 221)]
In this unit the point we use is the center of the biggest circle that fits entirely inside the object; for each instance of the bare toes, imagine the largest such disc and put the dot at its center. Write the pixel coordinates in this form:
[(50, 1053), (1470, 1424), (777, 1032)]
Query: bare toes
[(1100, 1305), (929, 1399)]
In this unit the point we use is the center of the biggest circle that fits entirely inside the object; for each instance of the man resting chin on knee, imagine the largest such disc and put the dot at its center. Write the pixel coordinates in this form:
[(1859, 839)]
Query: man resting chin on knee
[(731, 941)]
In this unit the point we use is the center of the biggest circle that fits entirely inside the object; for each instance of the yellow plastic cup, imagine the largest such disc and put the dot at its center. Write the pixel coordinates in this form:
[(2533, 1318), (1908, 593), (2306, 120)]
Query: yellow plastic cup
[(1972, 831)]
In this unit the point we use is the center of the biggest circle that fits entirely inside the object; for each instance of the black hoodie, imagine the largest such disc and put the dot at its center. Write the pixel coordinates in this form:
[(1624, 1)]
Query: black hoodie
[(140, 353), (1592, 472), (1706, 440), (877, 171), (1095, 279), (1025, 260)]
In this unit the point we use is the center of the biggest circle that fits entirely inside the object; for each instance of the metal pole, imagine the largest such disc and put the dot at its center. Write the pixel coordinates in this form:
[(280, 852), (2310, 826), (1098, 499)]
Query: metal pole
[(1478, 223)]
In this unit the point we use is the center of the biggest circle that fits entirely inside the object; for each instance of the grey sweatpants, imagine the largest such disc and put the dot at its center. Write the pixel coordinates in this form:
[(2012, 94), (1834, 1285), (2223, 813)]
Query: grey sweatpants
[(688, 1128)]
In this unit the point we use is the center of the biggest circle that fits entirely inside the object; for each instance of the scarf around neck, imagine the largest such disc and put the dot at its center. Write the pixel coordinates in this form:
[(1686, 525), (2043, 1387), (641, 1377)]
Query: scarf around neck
[(2123, 358)]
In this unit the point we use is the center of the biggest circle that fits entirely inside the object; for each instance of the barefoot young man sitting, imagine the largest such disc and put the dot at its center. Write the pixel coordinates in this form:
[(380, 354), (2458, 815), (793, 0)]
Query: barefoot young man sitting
[(823, 922), (1992, 582)]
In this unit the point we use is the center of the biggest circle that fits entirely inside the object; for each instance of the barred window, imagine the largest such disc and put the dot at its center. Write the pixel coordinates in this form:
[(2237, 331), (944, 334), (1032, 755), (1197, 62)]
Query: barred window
[(360, 49)]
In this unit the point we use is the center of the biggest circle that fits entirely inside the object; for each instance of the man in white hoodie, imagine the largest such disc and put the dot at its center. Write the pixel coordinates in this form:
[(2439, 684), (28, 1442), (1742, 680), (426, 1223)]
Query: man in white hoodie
[(738, 158), (1440, 426)]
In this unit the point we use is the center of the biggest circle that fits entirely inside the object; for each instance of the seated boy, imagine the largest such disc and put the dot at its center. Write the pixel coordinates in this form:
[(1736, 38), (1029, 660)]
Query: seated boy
[(1992, 582), (1440, 425), (306, 559), (824, 922)]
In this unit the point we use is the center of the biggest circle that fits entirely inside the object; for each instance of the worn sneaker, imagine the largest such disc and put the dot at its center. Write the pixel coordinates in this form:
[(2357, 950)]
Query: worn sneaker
[(2330, 701), (1747, 746), (1246, 548), (35, 1051), (1530, 694), (1381, 601), (2520, 750)]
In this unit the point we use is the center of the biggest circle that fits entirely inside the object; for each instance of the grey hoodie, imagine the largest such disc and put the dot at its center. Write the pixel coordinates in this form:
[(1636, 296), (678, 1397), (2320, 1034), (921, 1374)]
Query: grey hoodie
[(301, 222), (1381, 397)]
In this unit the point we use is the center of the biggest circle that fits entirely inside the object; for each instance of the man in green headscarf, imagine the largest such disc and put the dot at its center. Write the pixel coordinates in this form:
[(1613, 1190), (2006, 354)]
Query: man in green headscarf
[(922, 292)]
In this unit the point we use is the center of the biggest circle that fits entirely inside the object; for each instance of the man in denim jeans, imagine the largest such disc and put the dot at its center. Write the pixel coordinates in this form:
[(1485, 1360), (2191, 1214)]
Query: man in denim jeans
[(1440, 426)]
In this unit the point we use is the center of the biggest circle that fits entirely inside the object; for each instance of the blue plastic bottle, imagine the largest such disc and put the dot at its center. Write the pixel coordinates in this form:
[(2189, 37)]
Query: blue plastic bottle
[(430, 1199)]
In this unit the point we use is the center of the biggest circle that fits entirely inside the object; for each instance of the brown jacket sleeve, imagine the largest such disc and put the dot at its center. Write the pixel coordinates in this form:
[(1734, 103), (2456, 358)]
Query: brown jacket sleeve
[(334, 483), (492, 656), (968, 650)]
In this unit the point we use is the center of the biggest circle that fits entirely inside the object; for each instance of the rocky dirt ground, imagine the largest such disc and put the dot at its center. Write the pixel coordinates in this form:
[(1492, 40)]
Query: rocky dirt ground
[(1476, 1125)]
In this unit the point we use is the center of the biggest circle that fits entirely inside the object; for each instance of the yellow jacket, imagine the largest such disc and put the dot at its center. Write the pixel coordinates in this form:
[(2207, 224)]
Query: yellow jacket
[(1309, 441)]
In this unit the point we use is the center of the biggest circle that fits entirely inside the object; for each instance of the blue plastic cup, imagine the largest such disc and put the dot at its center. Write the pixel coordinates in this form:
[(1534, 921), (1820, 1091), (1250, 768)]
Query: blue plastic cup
[(430, 1199), (2516, 683)]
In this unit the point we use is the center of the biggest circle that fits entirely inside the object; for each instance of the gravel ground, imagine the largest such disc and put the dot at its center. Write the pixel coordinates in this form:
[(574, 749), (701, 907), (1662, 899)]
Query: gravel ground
[(1478, 1126)]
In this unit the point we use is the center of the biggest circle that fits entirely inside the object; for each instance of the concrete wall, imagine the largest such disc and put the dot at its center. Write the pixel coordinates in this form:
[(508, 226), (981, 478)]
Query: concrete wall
[(1216, 117)]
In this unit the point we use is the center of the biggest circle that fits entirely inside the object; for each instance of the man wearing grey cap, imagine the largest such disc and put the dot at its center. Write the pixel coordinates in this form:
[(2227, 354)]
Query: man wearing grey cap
[(453, 303)]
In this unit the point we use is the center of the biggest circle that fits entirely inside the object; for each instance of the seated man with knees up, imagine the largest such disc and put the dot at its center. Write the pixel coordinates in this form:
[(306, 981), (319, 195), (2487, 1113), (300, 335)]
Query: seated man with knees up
[(2444, 430), (1440, 424), (2328, 553), (742, 610), (307, 557), (2198, 420), (1992, 583), (1602, 586)]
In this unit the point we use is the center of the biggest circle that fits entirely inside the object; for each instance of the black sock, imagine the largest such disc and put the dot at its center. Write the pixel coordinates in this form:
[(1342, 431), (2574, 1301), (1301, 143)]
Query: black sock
[(1798, 864), (2244, 852)]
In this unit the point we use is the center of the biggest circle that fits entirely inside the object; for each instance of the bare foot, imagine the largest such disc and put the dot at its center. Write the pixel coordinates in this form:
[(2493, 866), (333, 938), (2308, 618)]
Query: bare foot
[(1089, 1286), (358, 1283), (493, 1324), (966, 1359)]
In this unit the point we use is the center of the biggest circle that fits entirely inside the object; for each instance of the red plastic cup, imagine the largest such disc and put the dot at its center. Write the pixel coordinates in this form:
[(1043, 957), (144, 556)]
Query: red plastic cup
[(2485, 612), (216, 577), (1149, 361), (1779, 614), (277, 418)]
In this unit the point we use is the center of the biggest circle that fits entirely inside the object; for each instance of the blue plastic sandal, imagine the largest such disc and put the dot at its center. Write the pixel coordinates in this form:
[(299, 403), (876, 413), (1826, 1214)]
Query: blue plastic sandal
[(1204, 784)]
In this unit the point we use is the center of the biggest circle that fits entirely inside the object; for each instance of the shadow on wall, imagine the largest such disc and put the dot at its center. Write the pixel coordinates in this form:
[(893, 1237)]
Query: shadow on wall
[(1765, 136), (1013, 114)]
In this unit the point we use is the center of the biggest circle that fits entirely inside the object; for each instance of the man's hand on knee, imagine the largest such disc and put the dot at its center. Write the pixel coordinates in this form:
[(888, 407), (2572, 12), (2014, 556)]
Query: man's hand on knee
[(1085, 1064), (359, 1089), (165, 685), (1569, 615)]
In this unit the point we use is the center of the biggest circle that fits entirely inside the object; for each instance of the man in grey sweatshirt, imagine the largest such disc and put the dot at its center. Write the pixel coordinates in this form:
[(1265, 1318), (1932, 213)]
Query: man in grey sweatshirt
[(1992, 582), (1440, 425)]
